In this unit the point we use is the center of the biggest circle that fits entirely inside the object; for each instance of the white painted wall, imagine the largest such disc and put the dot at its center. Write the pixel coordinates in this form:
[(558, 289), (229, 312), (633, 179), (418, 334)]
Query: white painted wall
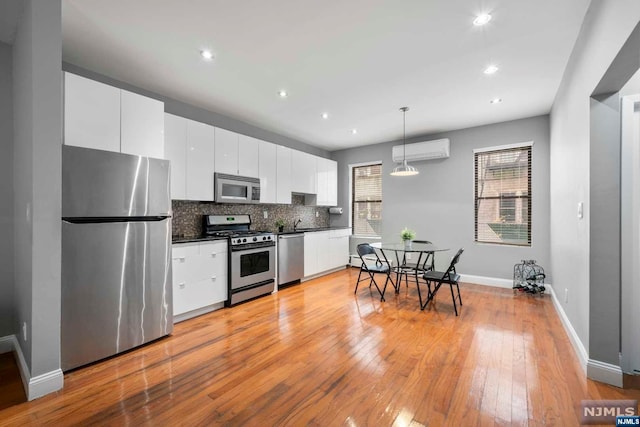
[(607, 26)]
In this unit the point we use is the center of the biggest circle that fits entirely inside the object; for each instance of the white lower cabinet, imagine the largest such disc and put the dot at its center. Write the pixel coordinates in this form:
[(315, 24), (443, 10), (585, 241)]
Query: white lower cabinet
[(199, 277), (325, 250)]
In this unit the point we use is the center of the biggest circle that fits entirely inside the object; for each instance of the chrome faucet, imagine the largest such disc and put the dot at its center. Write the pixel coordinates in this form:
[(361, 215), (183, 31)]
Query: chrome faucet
[(295, 223)]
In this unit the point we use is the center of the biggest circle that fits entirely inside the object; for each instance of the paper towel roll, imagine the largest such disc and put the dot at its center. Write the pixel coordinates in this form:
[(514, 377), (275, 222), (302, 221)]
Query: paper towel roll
[(335, 211)]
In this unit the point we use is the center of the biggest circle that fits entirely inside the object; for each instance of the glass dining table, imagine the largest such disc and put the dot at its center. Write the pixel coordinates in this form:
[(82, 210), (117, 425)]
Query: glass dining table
[(404, 252)]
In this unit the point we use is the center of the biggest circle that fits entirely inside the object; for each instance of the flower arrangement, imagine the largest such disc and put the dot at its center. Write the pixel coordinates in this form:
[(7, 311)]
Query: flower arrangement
[(407, 234), (280, 224)]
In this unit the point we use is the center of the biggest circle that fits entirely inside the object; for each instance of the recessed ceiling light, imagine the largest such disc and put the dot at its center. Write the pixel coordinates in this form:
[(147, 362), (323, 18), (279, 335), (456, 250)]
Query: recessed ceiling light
[(325, 115), (354, 131), (206, 54), (283, 94), (482, 19), (496, 100), (491, 69)]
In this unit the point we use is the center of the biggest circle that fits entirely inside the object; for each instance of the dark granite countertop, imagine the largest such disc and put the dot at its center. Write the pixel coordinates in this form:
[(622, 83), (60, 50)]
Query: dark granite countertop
[(184, 239), (307, 230)]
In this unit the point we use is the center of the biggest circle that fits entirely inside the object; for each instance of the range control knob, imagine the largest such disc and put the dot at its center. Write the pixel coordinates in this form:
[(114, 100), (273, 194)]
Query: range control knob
[(264, 237), (255, 239), (244, 240)]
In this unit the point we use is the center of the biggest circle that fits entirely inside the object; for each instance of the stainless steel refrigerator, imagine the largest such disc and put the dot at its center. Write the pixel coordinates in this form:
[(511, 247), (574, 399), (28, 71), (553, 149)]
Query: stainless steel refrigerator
[(116, 253)]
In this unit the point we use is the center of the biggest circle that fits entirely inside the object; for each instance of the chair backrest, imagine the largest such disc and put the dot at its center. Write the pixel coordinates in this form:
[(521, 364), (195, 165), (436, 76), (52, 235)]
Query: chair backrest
[(454, 261), (365, 249)]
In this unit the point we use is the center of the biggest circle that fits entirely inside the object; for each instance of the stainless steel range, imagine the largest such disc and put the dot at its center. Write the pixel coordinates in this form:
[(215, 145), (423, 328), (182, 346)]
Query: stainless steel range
[(252, 256)]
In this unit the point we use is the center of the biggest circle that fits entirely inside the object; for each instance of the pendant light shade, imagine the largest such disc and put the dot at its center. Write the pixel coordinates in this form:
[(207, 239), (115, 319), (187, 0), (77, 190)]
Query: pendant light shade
[(404, 169)]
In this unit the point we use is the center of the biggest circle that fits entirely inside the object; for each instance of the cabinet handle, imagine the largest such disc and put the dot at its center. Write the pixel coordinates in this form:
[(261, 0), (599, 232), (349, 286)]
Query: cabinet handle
[(182, 285), (214, 277), (213, 254), (180, 258)]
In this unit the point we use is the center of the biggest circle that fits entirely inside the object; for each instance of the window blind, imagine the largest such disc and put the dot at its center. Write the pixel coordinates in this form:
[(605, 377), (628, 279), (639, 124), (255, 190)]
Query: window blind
[(367, 200), (503, 196)]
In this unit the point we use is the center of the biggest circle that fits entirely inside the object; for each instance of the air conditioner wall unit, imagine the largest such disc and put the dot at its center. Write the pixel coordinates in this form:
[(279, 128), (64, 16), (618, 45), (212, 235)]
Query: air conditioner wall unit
[(427, 150)]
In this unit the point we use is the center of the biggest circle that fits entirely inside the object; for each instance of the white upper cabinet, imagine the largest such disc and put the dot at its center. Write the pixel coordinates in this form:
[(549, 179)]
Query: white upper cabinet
[(303, 172), (267, 155), (283, 175), (189, 145), (107, 118), (91, 114), (332, 183), (175, 143), (200, 161), (142, 125), (248, 157), (226, 160), (327, 177)]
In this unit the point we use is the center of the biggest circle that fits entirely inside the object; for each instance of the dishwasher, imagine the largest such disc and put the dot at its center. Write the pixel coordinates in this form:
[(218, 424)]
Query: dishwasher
[(290, 258)]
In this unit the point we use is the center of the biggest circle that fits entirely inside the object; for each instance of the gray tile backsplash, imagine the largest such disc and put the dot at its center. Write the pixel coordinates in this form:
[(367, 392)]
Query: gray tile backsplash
[(187, 215)]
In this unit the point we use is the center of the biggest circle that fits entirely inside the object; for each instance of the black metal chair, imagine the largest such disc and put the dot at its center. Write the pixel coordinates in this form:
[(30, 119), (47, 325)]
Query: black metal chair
[(371, 268), (438, 278)]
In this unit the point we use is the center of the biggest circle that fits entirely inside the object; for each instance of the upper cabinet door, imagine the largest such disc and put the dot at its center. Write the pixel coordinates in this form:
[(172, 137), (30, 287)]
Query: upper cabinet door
[(267, 155), (283, 175), (200, 161), (321, 179), (142, 125), (332, 182), (303, 172), (175, 150), (226, 147), (91, 114), (248, 164)]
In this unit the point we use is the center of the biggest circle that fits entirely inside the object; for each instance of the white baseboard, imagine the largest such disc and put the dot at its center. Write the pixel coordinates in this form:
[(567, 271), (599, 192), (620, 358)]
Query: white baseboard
[(39, 385), (604, 372), (197, 312), (576, 343), (487, 281), (323, 273)]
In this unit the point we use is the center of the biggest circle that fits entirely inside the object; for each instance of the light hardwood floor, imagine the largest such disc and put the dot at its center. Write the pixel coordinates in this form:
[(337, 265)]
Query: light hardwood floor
[(315, 354)]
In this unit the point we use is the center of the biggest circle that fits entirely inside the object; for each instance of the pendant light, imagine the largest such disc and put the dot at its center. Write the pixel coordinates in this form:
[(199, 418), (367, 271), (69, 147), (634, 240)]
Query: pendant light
[(404, 169)]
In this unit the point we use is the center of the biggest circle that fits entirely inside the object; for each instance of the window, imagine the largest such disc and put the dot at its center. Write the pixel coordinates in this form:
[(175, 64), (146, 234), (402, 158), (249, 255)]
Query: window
[(503, 196), (366, 190)]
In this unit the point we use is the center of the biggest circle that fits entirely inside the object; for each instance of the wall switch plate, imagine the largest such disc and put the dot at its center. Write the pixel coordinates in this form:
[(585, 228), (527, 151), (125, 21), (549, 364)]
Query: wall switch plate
[(317, 214), (566, 295), (580, 208), (24, 331), (266, 214)]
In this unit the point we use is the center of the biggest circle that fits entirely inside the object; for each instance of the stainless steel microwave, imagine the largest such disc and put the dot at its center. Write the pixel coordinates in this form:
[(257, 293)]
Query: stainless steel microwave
[(236, 189)]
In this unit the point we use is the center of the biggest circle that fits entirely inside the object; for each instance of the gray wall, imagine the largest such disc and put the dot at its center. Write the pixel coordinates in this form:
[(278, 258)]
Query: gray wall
[(604, 236), (37, 91), (439, 202), (199, 114), (6, 193), (606, 27)]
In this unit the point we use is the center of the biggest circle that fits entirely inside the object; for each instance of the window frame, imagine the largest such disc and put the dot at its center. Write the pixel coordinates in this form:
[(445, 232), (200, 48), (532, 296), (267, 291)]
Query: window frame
[(529, 198), (351, 187)]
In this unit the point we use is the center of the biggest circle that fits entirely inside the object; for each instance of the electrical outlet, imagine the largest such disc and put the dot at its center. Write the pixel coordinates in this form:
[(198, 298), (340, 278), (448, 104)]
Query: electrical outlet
[(580, 210), (566, 295), (24, 331), (266, 214), (317, 214)]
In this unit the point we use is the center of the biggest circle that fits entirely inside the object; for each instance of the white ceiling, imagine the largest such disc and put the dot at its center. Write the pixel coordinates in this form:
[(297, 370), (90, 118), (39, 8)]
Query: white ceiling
[(358, 60)]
